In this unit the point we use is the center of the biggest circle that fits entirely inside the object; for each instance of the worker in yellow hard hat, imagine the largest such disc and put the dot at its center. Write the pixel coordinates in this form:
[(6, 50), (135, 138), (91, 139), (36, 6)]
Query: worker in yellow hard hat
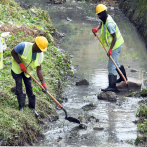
[(112, 38), (27, 56)]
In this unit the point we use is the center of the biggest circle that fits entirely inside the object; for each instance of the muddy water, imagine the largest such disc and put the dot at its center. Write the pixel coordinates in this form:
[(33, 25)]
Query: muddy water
[(76, 19)]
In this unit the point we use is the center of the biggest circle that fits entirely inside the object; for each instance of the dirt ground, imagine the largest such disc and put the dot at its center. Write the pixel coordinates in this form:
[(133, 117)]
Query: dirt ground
[(28, 31), (113, 3)]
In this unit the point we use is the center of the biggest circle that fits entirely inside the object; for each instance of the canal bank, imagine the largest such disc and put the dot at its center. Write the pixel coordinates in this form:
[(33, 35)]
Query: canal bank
[(22, 128), (136, 11)]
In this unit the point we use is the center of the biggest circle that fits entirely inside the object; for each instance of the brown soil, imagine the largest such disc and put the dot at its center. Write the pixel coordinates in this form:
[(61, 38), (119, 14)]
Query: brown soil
[(28, 31), (113, 3)]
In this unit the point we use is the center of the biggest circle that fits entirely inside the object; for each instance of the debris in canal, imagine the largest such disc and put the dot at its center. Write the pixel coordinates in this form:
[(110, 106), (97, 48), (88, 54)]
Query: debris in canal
[(98, 128), (88, 107), (82, 126), (134, 84)]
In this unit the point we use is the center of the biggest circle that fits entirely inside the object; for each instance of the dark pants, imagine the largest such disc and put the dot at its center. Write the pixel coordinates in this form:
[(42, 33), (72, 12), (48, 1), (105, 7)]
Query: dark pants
[(18, 80)]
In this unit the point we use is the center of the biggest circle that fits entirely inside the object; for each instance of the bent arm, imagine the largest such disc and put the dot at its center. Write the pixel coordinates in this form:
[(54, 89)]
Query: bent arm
[(113, 41), (40, 74), (15, 56), (100, 25)]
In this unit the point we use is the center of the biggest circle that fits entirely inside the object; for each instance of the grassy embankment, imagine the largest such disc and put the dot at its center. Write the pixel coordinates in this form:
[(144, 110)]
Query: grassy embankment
[(142, 121), (136, 11), (22, 128), (142, 117)]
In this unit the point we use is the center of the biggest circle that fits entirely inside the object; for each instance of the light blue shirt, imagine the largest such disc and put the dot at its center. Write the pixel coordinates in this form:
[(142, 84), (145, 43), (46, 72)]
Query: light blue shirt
[(111, 27)]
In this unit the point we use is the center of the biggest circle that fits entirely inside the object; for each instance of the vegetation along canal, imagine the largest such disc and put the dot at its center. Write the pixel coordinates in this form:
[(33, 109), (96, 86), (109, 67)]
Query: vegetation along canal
[(108, 123)]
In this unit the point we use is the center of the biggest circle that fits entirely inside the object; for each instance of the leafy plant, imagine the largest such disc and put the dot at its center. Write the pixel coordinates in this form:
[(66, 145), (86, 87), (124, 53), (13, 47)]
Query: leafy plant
[(143, 93)]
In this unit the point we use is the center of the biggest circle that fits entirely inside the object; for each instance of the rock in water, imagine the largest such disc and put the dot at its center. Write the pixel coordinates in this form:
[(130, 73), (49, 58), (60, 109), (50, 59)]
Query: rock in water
[(108, 95), (98, 128), (134, 84), (82, 82), (82, 126)]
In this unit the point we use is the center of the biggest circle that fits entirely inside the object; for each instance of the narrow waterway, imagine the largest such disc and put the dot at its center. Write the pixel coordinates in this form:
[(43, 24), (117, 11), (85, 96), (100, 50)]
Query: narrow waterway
[(76, 20)]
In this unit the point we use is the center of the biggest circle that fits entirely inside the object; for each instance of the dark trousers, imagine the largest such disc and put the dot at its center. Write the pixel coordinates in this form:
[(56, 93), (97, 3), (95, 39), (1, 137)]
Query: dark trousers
[(18, 80)]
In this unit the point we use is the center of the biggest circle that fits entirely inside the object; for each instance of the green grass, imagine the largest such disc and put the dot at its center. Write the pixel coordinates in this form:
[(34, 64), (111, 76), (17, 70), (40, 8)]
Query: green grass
[(22, 128)]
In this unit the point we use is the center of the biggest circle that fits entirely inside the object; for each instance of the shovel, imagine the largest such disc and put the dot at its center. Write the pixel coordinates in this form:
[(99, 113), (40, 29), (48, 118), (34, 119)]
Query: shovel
[(71, 119), (114, 63)]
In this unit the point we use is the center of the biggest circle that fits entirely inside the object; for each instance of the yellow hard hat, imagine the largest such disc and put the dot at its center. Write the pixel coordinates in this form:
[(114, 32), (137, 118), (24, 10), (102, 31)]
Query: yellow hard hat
[(100, 8), (41, 43)]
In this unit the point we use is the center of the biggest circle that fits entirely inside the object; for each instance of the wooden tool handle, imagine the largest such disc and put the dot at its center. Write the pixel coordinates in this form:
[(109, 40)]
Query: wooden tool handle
[(44, 89), (112, 60)]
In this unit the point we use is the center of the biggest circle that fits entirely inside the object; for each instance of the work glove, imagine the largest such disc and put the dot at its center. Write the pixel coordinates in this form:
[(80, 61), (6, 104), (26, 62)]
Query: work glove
[(94, 30), (109, 53), (22, 66), (45, 87)]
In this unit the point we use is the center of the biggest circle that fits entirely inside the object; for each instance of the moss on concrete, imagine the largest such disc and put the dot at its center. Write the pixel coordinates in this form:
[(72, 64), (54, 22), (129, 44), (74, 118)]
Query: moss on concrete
[(136, 11)]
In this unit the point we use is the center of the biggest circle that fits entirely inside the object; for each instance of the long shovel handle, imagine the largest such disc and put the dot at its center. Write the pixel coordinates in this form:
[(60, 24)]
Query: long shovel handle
[(44, 89), (112, 60), (71, 119)]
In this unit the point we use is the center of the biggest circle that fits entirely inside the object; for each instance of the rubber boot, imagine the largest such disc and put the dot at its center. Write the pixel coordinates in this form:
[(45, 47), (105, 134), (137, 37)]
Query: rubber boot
[(32, 101), (32, 104), (21, 100), (112, 83), (124, 73)]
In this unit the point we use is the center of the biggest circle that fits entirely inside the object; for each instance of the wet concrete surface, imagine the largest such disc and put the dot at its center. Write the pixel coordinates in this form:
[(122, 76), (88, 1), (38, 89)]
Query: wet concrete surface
[(90, 62)]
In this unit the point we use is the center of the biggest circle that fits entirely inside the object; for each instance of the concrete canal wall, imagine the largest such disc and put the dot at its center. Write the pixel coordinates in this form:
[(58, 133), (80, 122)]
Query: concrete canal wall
[(136, 11)]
